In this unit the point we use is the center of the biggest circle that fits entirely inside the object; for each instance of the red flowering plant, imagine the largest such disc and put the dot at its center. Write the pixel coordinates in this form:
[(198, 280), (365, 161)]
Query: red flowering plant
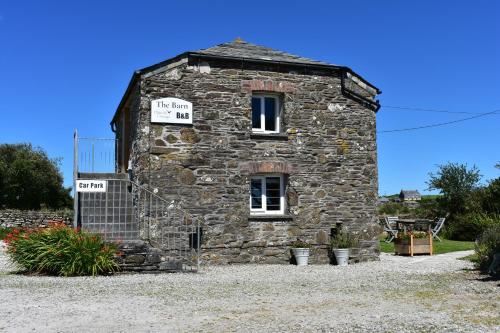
[(60, 250), (12, 235)]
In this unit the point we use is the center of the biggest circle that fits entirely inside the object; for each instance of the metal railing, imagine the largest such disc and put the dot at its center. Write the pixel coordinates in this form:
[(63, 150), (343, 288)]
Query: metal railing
[(95, 154), (168, 227)]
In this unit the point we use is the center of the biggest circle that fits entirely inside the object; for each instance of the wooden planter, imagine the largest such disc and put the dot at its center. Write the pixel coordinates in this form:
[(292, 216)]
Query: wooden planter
[(411, 246)]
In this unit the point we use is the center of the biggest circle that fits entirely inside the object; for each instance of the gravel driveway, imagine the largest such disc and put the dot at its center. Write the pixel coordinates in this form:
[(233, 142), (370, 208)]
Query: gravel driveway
[(398, 294)]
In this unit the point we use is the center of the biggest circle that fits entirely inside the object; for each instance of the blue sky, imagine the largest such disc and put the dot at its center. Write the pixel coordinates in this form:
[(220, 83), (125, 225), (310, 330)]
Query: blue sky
[(65, 65)]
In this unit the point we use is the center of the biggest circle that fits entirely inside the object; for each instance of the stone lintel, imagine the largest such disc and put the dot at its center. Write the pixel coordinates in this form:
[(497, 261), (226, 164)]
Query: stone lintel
[(267, 85), (267, 167)]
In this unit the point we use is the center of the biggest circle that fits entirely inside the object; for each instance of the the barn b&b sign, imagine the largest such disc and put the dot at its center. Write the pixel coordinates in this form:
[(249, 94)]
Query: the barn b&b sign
[(171, 110)]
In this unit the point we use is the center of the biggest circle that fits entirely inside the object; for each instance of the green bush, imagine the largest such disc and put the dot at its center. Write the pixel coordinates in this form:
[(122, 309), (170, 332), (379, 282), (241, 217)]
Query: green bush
[(343, 240), (60, 250), (487, 246), (393, 208), (470, 226)]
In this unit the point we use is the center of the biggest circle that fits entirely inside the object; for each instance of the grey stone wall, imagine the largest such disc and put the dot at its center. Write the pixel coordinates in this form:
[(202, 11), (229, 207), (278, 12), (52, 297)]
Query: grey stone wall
[(10, 218), (327, 151)]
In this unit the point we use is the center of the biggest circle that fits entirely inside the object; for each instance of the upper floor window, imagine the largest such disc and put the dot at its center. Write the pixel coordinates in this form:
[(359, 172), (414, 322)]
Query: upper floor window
[(265, 114)]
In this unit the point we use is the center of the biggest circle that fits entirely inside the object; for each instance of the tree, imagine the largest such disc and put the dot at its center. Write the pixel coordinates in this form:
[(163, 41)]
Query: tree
[(456, 182), (29, 179), (491, 197)]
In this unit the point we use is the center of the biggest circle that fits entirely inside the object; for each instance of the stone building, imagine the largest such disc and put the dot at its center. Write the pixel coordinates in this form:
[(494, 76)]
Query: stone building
[(265, 147), (410, 195)]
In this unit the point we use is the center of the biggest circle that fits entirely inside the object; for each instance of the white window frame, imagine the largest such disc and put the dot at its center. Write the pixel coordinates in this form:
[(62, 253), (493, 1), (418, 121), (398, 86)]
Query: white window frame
[(263, 210), (277, 112)]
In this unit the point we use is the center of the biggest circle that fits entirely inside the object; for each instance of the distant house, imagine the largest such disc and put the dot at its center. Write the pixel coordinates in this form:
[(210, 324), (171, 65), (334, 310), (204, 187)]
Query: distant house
[(383, 200), (410, 195)]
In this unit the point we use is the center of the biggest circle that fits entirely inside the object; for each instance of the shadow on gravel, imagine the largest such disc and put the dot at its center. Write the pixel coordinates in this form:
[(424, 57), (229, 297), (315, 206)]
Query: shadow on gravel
[(482, 276), (488, 278)]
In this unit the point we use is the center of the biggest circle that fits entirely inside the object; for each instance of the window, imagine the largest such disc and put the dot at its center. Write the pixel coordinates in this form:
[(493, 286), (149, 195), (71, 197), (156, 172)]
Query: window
[(267, 195), (265, 114)]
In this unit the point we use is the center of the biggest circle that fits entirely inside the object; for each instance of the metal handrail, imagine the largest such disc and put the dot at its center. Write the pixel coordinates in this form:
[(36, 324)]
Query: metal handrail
[(156, 195), (178, 208)]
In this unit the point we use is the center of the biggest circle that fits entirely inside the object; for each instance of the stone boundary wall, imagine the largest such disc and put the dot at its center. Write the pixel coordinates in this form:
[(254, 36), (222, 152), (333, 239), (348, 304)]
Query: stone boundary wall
[(10, 218)]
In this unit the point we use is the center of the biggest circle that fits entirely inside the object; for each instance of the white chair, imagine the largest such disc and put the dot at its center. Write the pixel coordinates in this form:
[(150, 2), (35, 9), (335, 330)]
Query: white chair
[(438, 227), (391, 228)]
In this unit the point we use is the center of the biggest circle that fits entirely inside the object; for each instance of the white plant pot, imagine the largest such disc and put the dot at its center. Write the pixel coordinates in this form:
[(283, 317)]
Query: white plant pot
[(301, 256), (342, 256)]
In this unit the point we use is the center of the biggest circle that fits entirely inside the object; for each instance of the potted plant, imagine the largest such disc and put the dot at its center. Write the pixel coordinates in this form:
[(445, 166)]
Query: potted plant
[(301, 251), (341, 244)]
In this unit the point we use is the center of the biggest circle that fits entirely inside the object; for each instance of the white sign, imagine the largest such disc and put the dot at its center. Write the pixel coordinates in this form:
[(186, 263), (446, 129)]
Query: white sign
[(91, 185), (171, 110)]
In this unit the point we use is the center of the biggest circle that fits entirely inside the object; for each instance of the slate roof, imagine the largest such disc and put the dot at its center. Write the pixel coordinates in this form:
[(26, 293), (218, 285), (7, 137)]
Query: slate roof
[(241, 49), (409, 193)]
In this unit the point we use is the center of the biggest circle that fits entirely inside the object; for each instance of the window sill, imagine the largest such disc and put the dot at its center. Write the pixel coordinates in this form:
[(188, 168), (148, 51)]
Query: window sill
[(269, 136), (262, 217)]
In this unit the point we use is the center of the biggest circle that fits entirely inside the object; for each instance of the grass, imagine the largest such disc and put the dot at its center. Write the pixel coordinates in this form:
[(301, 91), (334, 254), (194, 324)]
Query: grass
[(451, 246), (386, 247), (438, 247)]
